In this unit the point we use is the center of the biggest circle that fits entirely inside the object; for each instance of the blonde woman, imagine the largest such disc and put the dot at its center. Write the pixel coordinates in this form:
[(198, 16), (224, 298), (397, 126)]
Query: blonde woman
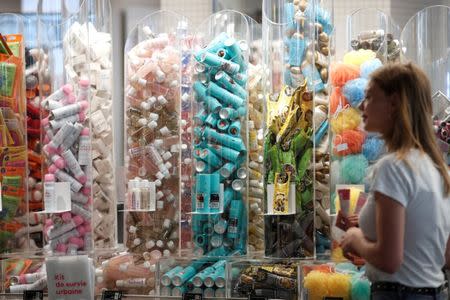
[(405, 225)]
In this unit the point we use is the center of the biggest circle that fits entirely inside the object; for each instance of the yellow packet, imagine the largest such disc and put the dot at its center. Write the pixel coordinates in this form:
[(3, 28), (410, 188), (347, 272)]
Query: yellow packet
[(281, 193)]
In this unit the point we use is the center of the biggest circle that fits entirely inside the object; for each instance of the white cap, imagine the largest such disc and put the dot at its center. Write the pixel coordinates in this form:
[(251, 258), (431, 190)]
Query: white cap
[(150, 244), (159, 243)]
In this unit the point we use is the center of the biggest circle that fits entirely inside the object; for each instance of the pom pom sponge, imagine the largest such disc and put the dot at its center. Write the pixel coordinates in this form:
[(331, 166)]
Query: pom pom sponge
[(354, 91), (359, 57), (337, 100), (348, 142), (321, 284), (341, 73), (360, 288), (353, 169), (372, 148), (369, 66), (347, 119)]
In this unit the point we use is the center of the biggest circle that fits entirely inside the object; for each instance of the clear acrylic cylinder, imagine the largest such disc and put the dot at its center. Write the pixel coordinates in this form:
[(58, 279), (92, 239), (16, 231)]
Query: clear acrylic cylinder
[(255, 140), (104, 191), (427, 46), (296, 37), (153, 77), (34, 130), (65, 97), (371, 42), (219, 217), (14, 233)]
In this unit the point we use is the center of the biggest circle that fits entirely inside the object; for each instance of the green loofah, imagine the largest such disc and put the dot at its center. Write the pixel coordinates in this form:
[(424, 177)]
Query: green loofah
[(353, 169), (360, 288)]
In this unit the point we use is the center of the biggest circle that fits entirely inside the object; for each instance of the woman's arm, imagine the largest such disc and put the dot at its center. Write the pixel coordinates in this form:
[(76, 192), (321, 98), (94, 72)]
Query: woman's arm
[(386, 253)]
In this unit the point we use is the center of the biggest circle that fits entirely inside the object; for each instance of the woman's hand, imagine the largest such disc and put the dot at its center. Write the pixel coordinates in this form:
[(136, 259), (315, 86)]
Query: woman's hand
[(351, 238)]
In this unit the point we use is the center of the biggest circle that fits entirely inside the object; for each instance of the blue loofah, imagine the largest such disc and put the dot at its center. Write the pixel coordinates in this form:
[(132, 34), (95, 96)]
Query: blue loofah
[(353, 169), (360, 288), (373, 148), (354, 91), (369, 66)]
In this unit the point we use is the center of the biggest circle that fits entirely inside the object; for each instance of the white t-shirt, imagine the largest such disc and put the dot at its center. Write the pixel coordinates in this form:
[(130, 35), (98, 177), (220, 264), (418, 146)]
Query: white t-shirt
[(418, 187)]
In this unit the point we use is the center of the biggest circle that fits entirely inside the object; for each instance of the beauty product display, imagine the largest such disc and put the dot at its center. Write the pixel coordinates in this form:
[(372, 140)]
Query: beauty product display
[(220, 180), (22, 274), (130, 273), (14, 231), (353, 150), (264, 279), (66, 142), (297, 49), (255, 141), (204, 276), (153, 127), (104, 190), (343, 280), (244, 151)]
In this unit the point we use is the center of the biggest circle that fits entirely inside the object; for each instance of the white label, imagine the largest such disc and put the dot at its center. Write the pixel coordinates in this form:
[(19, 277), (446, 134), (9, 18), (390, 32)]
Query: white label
[(84, 150), (70, 278), (62, 197), (342, 147), (152, 196), (49, 196), (98, 122), (104, 80), (291, 200)]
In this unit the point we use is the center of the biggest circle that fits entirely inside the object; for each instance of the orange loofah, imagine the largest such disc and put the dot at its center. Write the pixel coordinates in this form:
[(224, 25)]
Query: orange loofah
[(337, 100), (348, 142), (341, 73)]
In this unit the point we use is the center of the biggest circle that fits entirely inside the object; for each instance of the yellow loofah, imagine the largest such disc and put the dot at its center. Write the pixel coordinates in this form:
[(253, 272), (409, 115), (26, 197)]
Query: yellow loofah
[(346, 119), (339, 285), (316, 283), (320, 285), (359, 57)]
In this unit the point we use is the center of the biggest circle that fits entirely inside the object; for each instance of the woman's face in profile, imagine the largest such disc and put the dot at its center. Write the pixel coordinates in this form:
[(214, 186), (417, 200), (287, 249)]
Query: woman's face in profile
[(377, 110)]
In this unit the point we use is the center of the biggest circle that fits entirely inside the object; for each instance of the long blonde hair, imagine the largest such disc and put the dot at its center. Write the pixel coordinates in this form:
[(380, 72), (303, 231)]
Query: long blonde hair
[(413, 126)]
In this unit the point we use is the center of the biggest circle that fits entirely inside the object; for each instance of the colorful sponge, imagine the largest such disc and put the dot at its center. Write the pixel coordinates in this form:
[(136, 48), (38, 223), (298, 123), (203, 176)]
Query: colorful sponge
[(354, 91)]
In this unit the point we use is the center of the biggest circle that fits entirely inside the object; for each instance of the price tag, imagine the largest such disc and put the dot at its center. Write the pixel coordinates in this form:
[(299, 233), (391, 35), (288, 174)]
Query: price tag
[(33, 295), (112, 295), (192, 296)]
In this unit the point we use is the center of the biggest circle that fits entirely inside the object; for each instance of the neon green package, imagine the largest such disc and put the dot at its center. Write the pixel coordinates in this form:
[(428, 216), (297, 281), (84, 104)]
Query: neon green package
[(9, 209), (7, 78)]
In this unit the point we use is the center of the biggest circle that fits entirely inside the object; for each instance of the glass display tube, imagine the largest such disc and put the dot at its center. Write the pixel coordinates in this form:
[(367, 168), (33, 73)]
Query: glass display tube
[(34, 130), (14, 230), (67, 84), (427, 47), (352, 149), (296, 38), (101, 73), (255, 140), (220, 150), (153, 80)]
